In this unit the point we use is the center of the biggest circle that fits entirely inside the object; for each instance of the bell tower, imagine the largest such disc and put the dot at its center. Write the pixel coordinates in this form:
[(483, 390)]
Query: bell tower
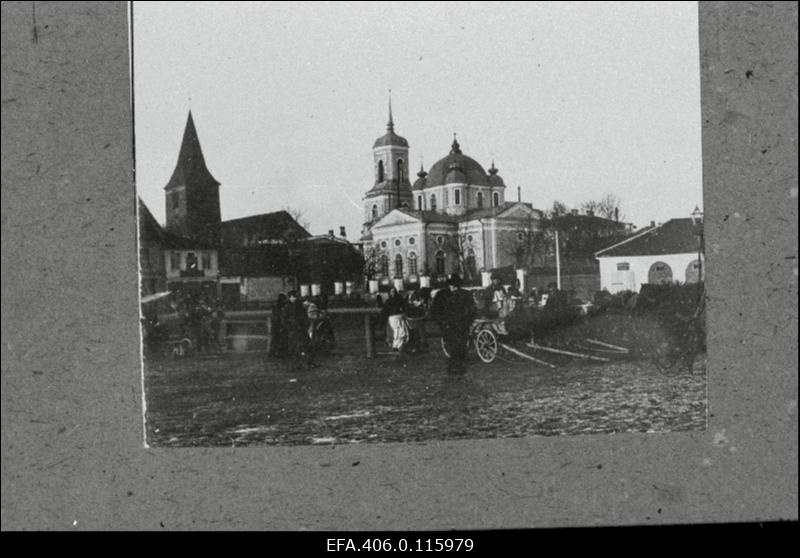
[(392, 187), (192, 193)]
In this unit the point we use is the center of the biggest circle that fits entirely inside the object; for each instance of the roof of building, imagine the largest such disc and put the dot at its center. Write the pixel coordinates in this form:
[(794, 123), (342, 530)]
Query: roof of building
[(191, 166), (471, 170), (494, 178), (274, 225), (389, 187), (676, 236)]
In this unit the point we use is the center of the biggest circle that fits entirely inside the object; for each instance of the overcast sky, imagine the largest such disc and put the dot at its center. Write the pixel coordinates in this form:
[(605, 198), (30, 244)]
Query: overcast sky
[(572, 100)]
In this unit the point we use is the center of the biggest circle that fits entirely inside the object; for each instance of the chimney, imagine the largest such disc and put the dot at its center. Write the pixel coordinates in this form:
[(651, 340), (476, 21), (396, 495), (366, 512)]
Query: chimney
[(342, 233), (519, 193), (330, 233), (652, 224), (616, 213)]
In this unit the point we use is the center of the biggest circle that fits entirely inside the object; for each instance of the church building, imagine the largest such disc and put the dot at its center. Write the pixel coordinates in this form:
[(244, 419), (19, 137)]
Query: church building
[(452, 219)]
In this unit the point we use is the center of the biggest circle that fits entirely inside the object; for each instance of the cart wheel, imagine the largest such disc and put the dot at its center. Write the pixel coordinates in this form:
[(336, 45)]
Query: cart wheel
[(486, 345)]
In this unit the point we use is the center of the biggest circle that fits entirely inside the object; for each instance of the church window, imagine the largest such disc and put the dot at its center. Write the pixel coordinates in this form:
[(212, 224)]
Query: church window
[(383, 244), (398, 266), (175, 261), (479, 200), (380, 171), (457, 197), (471, 267), (397, 242), (412, 240), (495, 199), (439, 240), (440, 263), (375, 211), (412, 263), (384, 265), (419, 203), (469, 238), (520, 236), (400, 172), (446, 200), (433, 202)]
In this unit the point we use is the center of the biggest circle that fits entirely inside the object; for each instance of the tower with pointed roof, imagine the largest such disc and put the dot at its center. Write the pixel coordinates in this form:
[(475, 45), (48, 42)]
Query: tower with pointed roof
[(392, 187), (192, 193)]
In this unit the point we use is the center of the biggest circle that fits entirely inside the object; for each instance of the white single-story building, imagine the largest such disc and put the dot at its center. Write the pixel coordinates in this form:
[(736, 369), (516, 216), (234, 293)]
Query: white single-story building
[(668, 253)]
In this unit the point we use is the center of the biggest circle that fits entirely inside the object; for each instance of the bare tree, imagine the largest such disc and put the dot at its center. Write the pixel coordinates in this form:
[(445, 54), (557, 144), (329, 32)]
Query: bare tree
[(298, 215), (372, 261), (607, 207), (530, 244), (559, 208)]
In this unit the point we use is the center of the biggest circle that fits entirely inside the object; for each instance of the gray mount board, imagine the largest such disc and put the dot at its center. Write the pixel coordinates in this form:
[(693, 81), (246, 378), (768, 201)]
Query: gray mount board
[(72, 453)]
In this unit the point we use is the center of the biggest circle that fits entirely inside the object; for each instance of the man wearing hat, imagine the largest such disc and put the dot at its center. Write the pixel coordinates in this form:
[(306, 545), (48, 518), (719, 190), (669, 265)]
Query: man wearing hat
[(454, 309), (294, 320)]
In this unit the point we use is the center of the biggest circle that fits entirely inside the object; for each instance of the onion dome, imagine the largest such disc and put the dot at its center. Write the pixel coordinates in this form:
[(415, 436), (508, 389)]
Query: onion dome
[(469, 170), (494, 178), (421, 181)]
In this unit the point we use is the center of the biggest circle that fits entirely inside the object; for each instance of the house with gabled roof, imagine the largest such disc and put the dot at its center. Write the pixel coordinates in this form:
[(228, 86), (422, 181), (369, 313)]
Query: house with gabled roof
[(670, 252)]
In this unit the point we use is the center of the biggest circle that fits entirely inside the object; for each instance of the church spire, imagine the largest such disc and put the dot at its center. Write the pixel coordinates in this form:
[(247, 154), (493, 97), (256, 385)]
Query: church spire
[(191, 167), (390, 124)]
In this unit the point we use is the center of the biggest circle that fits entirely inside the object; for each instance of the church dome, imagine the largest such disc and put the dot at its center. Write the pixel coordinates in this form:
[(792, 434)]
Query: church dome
[(465, 169), (390, 138), (494, 178), (422, 181)]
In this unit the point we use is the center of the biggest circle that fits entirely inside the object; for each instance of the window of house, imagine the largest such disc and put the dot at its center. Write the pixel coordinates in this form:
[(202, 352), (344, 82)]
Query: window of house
[(495, 199), (457, 197), (433, 202), (191, 261), (624, 266), (398, 266), (206, 260), (412, 263), (440, 269), (479, 200), (175, 261)]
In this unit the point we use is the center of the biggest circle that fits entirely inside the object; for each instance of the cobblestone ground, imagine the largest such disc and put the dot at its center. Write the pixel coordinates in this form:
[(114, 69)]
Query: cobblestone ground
[(249, 399)]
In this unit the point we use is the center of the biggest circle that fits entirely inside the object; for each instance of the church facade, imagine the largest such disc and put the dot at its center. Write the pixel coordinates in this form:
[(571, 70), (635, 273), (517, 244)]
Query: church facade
[(454, 218)]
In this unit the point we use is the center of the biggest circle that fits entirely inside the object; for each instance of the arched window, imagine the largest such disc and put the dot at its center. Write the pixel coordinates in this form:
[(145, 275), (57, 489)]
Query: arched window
[(693, 271), (659, 273), (384, 265), (412, 263), (374, 212), (457, 197), (495, 199), (445, 200), (419, 203), (433, 202), (380, 171), (398, 266), (440, 270), (400, 170), (479, 200), (471, 267)]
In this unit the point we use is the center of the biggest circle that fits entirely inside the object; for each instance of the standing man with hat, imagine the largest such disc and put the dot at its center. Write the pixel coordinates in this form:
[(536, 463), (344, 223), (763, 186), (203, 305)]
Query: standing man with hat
[(454, 309)]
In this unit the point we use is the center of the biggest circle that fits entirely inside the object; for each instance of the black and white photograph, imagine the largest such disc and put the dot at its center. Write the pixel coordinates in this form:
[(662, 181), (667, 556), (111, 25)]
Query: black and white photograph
[(413, 222)]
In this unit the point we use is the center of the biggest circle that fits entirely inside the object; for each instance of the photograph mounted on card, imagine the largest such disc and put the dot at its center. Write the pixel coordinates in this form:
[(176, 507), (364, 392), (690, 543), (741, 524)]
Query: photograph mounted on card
[(415, 222)]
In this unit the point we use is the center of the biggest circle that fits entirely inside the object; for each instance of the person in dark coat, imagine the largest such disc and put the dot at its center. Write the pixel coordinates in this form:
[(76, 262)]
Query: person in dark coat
[(278, 347), (294, 321), (454, 309)]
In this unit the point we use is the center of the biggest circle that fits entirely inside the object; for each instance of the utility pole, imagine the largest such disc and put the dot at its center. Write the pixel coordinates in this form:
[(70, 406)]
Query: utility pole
[(558, 263)]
